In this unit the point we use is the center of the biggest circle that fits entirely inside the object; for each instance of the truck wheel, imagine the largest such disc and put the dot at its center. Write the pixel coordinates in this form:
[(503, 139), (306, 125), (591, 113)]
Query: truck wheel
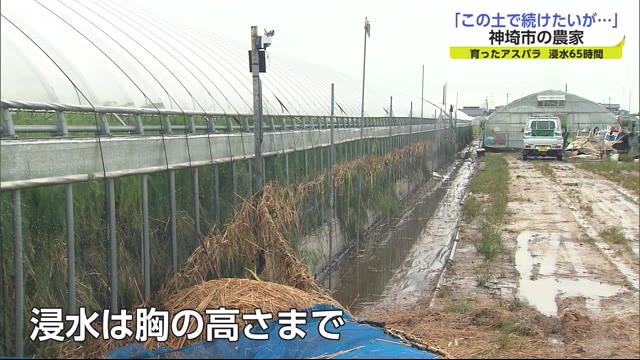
[(524, 157)]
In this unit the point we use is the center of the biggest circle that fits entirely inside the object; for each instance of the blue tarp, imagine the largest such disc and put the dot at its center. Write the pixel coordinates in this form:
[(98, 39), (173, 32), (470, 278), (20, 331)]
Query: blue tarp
[(356, 341)]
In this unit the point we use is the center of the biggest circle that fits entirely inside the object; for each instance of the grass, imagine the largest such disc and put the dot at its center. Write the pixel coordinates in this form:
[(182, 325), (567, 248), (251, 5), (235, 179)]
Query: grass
[(458, 307), (471, 208), (490, 244), (587, 209), (522, 327), (623, 173), (510, 323), (613, 235), (493, 181), (545, 169), (493, 178), (508, 341), (444, 292), (515, 304), (483, 275)]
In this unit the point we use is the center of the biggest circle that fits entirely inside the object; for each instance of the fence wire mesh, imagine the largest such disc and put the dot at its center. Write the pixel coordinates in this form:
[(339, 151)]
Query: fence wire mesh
[(368, 186)]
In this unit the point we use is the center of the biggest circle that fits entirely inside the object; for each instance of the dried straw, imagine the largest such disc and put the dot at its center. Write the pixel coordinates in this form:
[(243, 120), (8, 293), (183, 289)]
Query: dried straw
[(242, 294), (575, 324)]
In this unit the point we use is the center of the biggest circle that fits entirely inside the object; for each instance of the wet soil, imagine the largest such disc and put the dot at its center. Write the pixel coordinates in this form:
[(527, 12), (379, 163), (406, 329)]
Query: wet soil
[(405, 255), (560, 290)]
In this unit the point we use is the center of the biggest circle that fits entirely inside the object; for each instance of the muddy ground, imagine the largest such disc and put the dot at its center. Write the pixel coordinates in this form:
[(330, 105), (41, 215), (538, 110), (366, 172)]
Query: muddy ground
[(562, 287)]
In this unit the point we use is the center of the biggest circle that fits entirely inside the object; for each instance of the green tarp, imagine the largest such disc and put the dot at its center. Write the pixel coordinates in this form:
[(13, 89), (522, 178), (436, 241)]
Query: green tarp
[(542, 132)]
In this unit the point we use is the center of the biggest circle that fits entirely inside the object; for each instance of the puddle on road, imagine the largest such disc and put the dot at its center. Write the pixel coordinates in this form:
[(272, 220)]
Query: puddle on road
[(406, 258), (540, 290)]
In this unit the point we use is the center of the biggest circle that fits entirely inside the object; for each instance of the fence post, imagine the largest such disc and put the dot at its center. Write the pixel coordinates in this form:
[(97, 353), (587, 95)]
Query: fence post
[(61, 124), (71, 251), (216, 194), (211, 125), (8, 129), (196, 202), (139, 125), (191, 125), (166, 125), (332, 194), (113, 249), (172, 209), (19, 306), (104, 125), (146, 258)]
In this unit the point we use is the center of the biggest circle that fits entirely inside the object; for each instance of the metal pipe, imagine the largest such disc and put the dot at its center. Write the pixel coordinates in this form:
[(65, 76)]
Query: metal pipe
[(8, 128), (61, 124), (422, 95), (172, 207), (146, 259), (71, 251), (286, 165), (38, 128), (139, 127), (216, 195), (235, 185), (250, 177), (104, 125), (17, 229), (113, 249), (196, 203), (306, 163), (332, 194)]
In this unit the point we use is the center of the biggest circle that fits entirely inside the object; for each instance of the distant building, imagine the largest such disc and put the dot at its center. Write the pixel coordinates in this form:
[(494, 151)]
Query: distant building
[(614, 108), (474, 111), (503, 128)]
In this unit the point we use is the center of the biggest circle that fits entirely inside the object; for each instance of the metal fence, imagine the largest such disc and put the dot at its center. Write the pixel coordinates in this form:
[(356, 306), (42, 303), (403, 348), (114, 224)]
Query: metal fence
[(164, 188), (53, 119)]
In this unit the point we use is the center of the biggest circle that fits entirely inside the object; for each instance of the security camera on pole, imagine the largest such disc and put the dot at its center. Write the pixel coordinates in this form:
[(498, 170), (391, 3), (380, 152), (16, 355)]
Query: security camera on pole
[(258, 65), (367, 33)]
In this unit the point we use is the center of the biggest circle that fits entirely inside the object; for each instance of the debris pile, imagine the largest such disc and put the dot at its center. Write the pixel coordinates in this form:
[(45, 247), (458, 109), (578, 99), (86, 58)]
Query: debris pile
[(596, 144)]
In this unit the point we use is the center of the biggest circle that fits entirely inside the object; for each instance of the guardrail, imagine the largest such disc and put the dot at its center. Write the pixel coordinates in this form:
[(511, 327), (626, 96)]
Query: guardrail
[(100, 120)]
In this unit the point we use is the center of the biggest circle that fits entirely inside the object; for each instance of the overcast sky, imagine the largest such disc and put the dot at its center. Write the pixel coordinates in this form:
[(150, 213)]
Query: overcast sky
[(405, 34), (408, 33)]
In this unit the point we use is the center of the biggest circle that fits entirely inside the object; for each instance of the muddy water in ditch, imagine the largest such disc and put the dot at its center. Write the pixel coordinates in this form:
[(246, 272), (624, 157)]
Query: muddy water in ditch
[(405, 255)]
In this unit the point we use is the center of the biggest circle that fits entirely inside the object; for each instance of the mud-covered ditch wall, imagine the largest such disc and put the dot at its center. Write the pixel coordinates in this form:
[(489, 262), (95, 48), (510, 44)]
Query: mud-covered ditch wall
[(290, 232), (383, 191)]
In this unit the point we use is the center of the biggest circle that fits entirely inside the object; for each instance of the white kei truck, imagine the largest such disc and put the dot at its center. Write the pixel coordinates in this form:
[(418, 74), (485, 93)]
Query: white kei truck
[(542, 137)]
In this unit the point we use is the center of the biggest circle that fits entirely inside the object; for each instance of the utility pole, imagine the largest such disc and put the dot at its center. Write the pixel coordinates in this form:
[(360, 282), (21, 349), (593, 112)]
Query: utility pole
[(451, 116), (455, 121), (367, 32), (360, 180), (444, 100), (257, 106), (259, 44), (422, 95)]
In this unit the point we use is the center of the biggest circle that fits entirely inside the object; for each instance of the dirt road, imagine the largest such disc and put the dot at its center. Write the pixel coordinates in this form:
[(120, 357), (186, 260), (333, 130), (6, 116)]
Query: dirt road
[(565, 286)]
